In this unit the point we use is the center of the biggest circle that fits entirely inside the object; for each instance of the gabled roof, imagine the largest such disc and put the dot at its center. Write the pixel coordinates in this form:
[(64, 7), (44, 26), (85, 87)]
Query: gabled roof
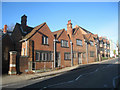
[(75, 30), (104, 40), (58, 33), (85, 30), (34, 31), (95, 35), (108, 42), (86, 37), (26, 28), (100, 38)]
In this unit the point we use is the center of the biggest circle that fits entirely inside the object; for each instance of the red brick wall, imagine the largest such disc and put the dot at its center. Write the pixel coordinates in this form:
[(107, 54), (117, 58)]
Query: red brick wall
[(37, 39), (76, 48), (23, 64), (91, 48), (60, 49), (42, 65)]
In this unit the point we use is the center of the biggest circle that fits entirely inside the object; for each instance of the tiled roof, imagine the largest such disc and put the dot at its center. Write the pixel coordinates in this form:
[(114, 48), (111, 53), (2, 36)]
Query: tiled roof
[(58, 33), (75, 30), (104, 40), (95, 35), (85, 30), (34, 31), (26, 28), (108, 42), (87, 37)]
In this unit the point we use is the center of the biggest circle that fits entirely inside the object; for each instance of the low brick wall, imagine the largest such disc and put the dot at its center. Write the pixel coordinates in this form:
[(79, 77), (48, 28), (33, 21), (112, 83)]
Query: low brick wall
[(42, 65), (23, 64)]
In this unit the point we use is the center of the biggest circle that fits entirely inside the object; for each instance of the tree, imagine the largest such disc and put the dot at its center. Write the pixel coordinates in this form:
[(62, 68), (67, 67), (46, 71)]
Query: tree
[(114, 52), (11, 26)]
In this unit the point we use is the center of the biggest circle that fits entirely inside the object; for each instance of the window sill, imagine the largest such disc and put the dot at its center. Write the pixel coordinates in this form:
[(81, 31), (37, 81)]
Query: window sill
[(67, 59), (43, 61), (46, 44), (23, 56), (64, 47), (80, 45)]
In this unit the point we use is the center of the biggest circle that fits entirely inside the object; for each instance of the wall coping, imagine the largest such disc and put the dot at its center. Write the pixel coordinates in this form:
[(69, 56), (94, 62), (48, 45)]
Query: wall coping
[(13, 52)]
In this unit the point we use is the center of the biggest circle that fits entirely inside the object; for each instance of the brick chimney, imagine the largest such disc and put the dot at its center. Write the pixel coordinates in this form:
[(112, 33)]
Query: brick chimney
[(69, 28), (5, 29), (24, 20)]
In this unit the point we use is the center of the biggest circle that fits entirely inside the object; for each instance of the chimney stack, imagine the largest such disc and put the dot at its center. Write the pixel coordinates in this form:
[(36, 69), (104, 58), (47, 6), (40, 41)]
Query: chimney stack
[(5, 29), (24, 20), (69, 28)]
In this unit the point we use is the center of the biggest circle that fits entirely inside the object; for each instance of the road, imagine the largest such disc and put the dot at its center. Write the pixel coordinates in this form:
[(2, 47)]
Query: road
[(102, 75)]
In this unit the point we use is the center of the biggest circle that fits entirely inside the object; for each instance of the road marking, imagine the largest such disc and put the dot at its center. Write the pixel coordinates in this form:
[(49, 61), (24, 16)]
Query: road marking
[(114, 84), (78, 77), (70, 80)]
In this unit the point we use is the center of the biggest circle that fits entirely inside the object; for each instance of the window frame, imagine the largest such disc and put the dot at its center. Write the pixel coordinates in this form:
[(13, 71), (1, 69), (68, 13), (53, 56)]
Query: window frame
[(45, 56), (91, 43), (44, 40), (67, 56), (38, 56), (92, 53), (64, 43), (81, 44)]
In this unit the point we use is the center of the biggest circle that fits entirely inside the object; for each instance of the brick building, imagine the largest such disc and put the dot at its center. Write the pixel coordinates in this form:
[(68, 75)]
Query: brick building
[(104, 47), (39, 48)]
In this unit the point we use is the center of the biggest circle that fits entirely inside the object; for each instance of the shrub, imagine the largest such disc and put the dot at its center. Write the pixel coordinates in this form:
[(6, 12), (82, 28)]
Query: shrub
[(104, 58)]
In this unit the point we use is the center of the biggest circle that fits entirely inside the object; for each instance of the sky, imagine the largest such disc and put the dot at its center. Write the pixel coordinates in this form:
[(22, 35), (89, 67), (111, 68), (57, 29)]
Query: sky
[(97, 17)]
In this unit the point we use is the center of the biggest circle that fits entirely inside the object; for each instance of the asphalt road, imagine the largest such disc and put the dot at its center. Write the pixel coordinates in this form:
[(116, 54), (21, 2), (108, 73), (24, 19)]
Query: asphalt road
[(103, 75)]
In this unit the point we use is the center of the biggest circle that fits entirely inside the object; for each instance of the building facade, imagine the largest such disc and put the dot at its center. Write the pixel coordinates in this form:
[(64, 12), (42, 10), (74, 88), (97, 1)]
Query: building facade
[(39, 48)]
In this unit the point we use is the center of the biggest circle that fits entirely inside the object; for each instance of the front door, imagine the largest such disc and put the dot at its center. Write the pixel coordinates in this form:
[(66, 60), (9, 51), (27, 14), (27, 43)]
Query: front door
[(79, 58), (58, 60)]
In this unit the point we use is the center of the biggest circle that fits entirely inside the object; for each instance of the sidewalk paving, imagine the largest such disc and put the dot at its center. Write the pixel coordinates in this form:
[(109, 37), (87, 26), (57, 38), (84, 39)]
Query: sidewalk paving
[(8, 79)]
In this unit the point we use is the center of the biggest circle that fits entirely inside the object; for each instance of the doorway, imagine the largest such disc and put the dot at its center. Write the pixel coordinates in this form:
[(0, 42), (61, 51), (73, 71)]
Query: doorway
[(79, 58), (58, 60)]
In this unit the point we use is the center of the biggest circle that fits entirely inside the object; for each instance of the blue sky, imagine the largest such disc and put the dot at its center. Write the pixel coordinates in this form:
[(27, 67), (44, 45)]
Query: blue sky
[(98, 17)]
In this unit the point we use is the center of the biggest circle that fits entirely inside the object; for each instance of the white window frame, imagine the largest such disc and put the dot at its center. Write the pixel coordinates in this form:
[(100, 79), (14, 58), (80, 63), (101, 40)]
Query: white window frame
[(79, 42), (38, 56)]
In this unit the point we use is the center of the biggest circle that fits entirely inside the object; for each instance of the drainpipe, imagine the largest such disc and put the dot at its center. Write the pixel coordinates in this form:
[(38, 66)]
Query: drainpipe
[(54, 52), (71, 53), (96, 49), (26, 47), (55, 41), (87, 50)]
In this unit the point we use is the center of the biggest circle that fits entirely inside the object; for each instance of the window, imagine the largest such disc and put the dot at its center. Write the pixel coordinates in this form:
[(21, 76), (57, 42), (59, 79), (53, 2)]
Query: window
[(101, 49), (92, 53), (91, 43), (108, 45), (44, 56), (83, 55), (37, 56), (74, 55), (108, 51), (44, 40), (67, 56), (101, 42), (79, 42), (64, 43)]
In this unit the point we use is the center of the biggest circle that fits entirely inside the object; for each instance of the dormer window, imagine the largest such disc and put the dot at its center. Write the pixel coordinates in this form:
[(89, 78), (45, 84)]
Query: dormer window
[(64, 43), (45, 40)]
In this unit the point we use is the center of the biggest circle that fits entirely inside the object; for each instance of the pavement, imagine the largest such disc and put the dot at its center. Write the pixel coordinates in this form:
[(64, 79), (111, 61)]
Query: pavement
[(9, 79)]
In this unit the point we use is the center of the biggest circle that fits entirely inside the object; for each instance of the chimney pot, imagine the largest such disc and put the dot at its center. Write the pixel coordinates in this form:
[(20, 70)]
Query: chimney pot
[(5, 29), (69, 21)]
